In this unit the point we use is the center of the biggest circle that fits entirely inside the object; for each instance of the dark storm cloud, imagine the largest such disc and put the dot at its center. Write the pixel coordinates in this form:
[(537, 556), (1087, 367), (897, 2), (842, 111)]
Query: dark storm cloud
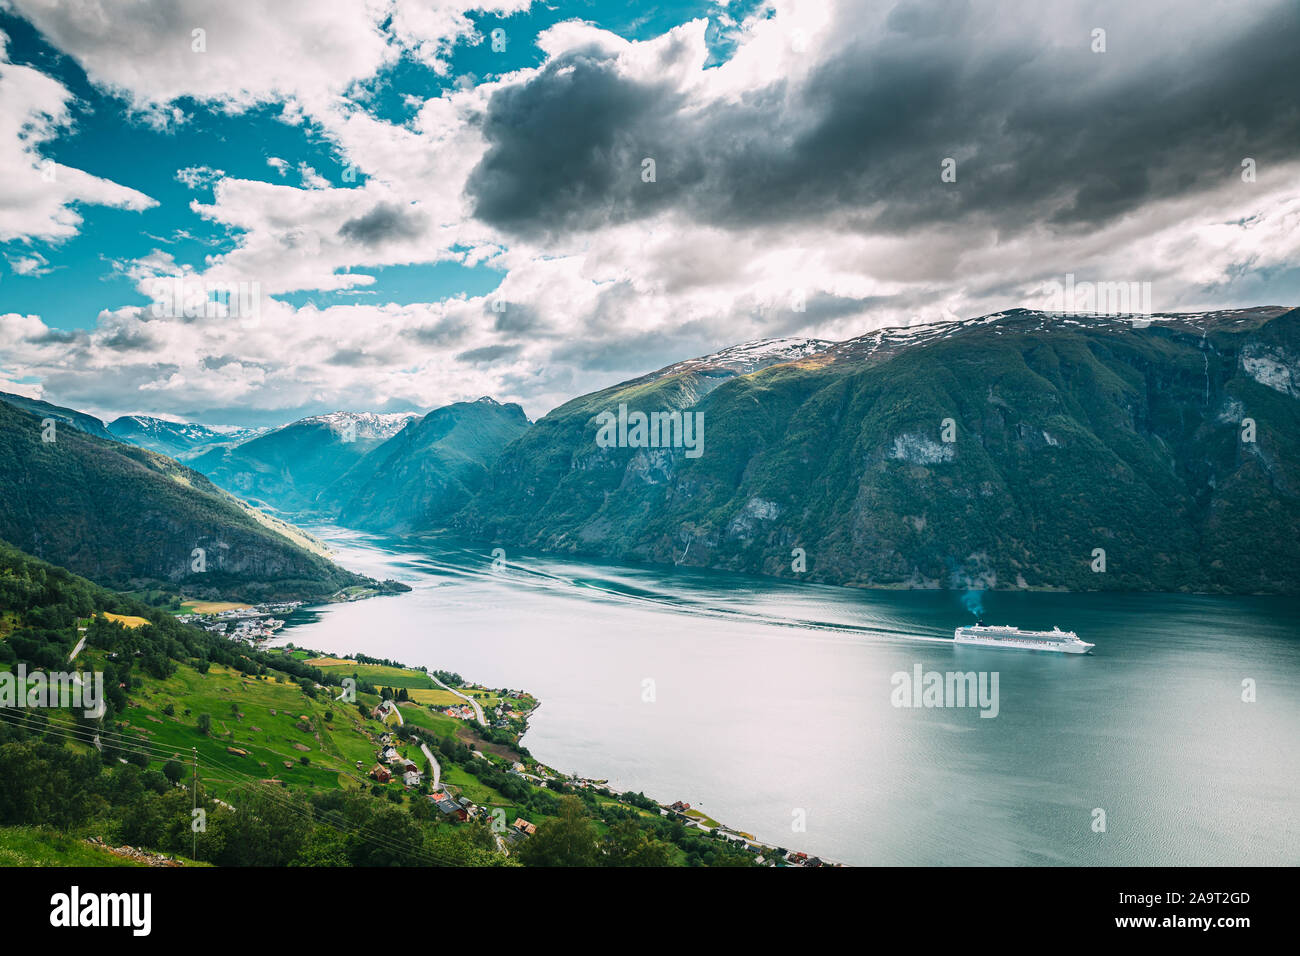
[(1044, 130), (489, 354), (511, 316), (446, 331), (56, 337), (127, 340), (354, 358), (570, 142), (385, 222)]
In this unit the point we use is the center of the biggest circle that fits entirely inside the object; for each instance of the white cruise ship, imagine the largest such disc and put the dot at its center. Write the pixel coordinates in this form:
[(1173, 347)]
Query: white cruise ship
[(1004, 635)]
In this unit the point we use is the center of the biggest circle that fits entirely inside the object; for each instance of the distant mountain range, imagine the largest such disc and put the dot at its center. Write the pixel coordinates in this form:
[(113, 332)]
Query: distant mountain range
[(176, 439), (1021, 449), (130, 519), (288, 467)]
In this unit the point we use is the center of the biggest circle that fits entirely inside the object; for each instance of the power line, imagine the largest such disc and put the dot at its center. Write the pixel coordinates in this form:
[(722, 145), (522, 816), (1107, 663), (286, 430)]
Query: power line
[(314, 814)]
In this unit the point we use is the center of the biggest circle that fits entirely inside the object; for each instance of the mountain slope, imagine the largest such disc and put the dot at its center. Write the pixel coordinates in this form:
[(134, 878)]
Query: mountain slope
[(287, 468), (78, 420), (174, 439), (423, 474), (1071, 433), (128, 518)]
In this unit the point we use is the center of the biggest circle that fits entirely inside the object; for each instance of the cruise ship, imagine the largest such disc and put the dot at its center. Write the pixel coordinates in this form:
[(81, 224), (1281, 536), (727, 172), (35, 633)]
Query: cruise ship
[(1004, 635)]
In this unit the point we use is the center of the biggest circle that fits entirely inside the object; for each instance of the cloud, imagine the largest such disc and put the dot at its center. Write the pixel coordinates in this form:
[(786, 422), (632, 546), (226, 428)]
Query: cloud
[(239, 54), (797, 191), (38, 196), (197, 176), (385, 222), (1041, 128)]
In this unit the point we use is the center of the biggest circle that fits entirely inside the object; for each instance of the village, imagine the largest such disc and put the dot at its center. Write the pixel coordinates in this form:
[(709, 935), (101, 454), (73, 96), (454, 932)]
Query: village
[(249, 624)]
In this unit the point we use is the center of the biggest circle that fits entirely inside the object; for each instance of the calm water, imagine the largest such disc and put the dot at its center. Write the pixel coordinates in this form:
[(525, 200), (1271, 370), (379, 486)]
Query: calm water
[(772, 698)]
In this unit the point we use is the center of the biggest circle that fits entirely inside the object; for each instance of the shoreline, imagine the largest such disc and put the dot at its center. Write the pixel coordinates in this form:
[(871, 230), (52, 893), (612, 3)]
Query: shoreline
[(697, 820)]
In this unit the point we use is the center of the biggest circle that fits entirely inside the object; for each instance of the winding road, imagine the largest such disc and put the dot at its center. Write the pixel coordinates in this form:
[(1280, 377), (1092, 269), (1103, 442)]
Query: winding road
[(478, 711), (433, 762)]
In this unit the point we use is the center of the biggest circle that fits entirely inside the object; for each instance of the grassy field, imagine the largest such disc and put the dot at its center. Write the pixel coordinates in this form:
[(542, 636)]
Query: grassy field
[(704, 818), (272, 719), (436, 695), (381, 675), (127, 620), (211, 607), (37, 846)]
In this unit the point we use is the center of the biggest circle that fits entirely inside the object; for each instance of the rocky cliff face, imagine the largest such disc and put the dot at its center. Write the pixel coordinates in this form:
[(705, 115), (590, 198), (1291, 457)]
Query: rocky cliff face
[(1020, 449)]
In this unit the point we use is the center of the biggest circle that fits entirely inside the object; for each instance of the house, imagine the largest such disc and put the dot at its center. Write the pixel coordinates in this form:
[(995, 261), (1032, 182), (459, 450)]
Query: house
[(388, 755), (450, 808), (523, 826), (411, 778), (380, 773), (382, 710), (680, 807), (385, 739)]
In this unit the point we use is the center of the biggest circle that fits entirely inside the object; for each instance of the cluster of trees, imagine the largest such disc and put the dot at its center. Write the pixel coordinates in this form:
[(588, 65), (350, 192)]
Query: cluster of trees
[(42, 783)]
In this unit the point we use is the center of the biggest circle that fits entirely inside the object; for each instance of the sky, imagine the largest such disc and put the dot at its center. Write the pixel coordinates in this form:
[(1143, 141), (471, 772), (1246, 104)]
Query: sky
[(246, 213)]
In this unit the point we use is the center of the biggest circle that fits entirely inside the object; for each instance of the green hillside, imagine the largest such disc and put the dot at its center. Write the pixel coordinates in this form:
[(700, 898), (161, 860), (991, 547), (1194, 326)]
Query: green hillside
[(427, 471), (78, 420), (132, 519), (1070, 434)]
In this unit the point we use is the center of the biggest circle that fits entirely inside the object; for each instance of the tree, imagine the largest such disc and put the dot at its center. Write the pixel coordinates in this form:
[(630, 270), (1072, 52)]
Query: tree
[(173, 771), (204, 724), (629, 845), (568, 840)]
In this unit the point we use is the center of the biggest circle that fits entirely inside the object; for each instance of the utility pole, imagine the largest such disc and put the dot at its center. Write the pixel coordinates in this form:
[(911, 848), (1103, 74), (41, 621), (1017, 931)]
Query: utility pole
[(194, 854)]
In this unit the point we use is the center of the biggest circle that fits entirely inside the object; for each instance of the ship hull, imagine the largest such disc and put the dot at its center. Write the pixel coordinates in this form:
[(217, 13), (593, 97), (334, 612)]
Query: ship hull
[(1052, 647), (1023, 641)]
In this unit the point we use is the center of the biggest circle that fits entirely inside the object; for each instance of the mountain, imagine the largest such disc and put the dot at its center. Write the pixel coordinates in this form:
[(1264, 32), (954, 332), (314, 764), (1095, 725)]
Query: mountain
[(128, 518), (287, 468), (78, 420), (175, 439), (1010, 450), (423, 474)]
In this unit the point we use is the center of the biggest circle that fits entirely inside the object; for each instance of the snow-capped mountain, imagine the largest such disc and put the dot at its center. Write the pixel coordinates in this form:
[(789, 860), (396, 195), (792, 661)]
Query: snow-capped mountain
[(176, 439)]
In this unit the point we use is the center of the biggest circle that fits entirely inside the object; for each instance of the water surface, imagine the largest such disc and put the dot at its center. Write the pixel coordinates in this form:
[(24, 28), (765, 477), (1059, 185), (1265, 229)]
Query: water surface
[(772, 703)]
